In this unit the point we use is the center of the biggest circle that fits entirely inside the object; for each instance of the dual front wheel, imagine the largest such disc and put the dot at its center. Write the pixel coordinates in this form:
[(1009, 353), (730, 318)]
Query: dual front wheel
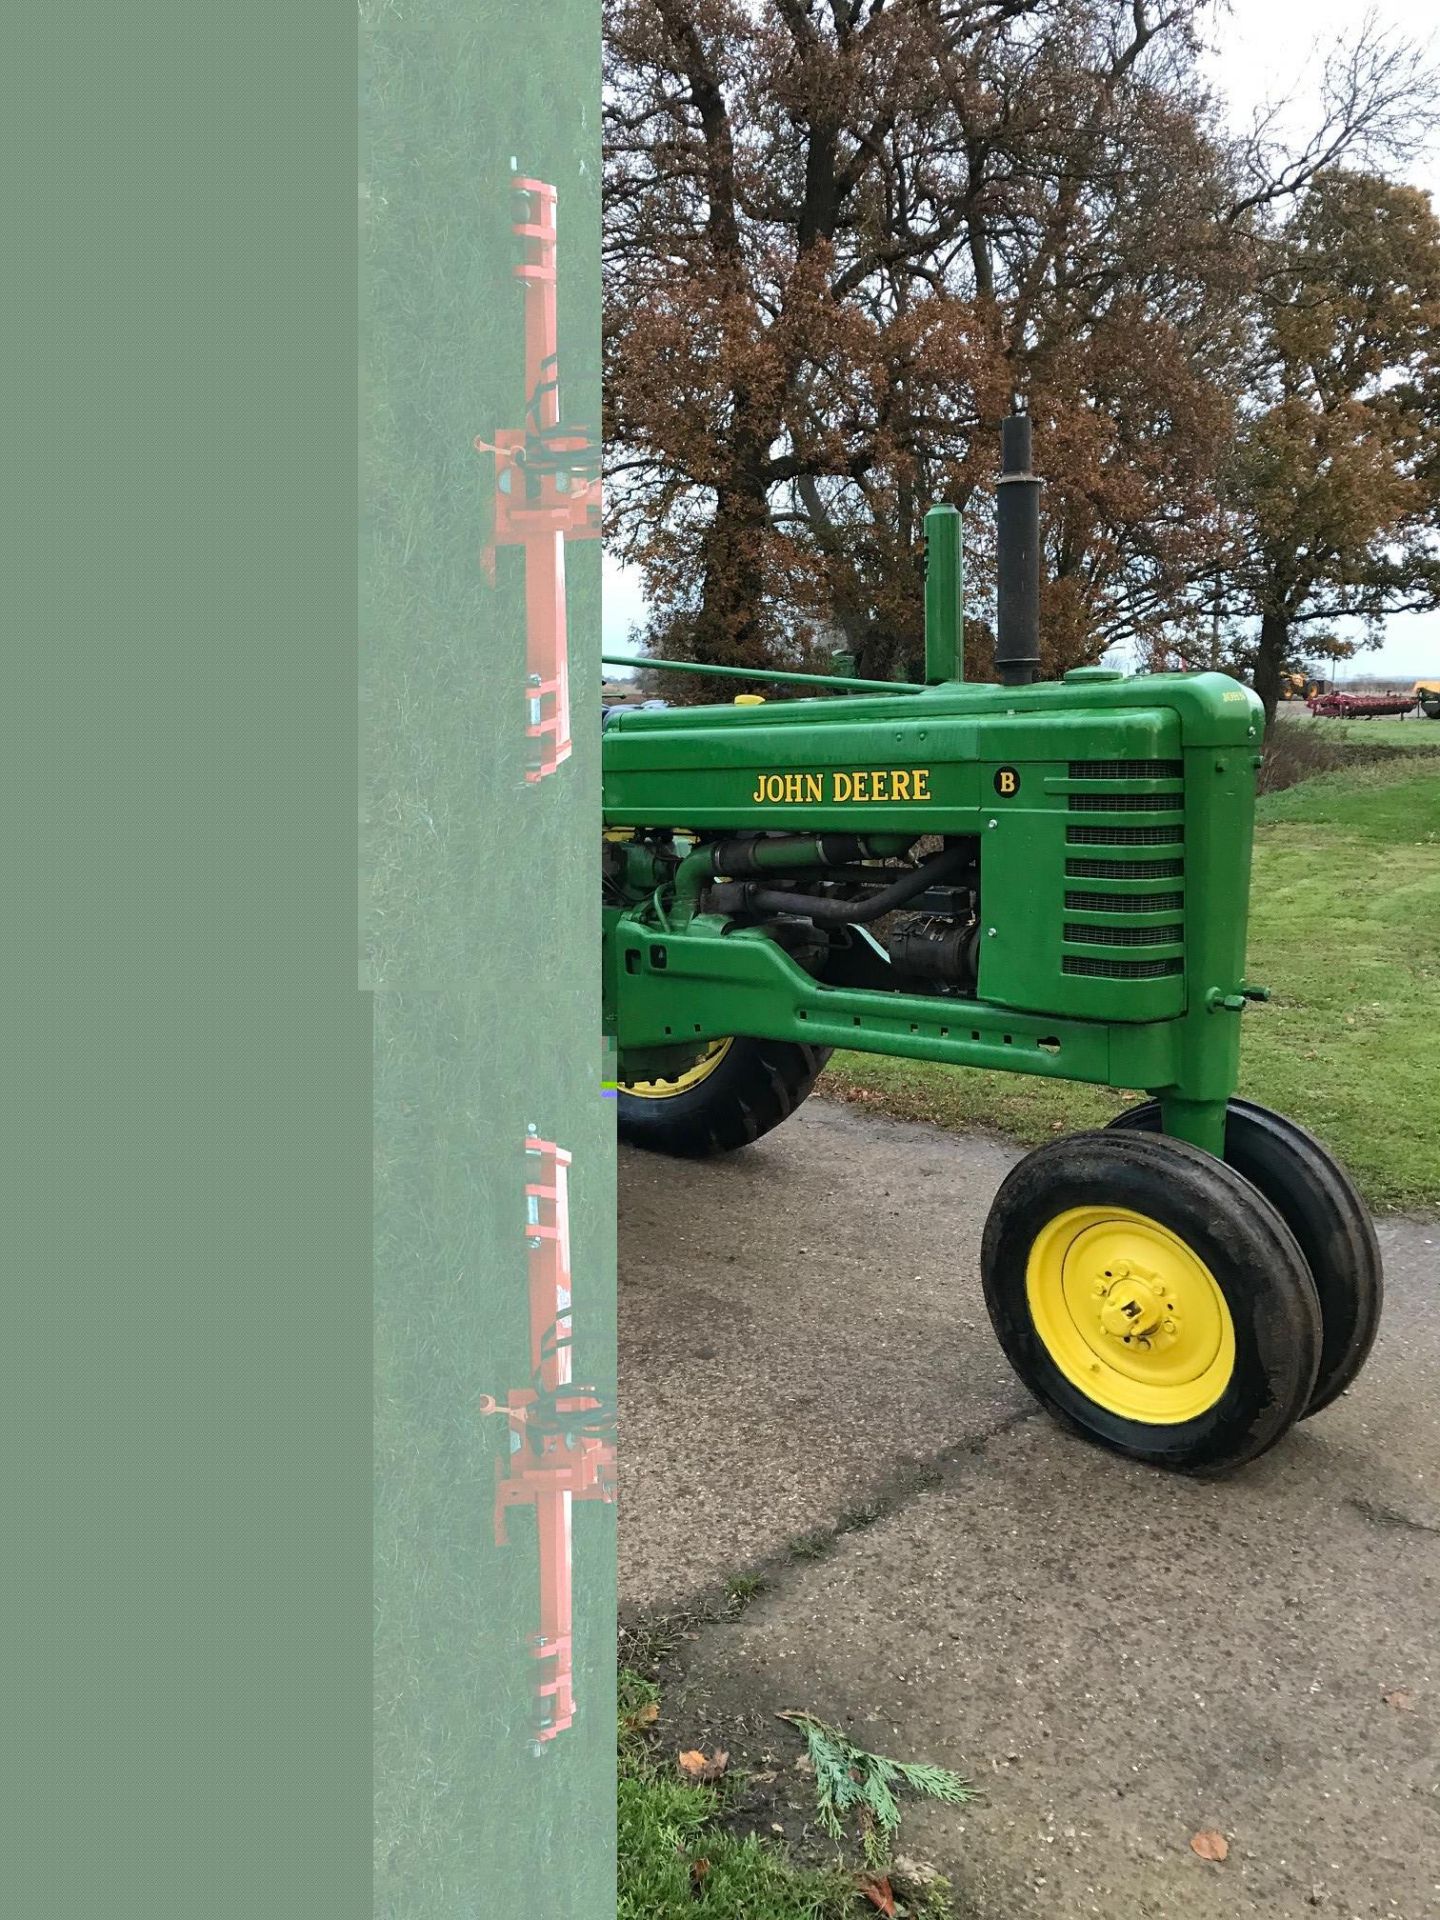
[(1180, 1309)]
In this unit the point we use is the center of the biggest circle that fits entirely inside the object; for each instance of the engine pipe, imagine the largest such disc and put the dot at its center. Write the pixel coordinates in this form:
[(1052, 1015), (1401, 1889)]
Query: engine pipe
[(1017, 558), (781, 852), (748, 897)]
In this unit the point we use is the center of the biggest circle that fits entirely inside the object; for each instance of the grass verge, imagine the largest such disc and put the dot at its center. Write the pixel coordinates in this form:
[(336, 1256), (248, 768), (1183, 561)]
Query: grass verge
[(1299, 749), (678, 1859), (1345, 930)]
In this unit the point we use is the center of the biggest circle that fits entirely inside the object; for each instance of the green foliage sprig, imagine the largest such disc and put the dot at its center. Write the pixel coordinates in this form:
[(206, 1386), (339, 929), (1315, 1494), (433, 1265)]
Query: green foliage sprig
[(851, 1784)]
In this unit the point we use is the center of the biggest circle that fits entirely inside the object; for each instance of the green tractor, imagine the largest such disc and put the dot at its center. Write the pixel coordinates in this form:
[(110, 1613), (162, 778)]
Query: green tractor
[(1038, 877)]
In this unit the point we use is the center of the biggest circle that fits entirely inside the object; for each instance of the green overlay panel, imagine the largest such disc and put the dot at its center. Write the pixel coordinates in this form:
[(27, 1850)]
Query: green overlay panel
[(480, 943)]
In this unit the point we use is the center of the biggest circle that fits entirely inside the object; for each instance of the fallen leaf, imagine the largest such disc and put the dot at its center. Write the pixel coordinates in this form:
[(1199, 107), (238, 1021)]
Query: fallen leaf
[(1400, 1698), (698, 1870), (696, 1767), (876, 1889), (1209, 1844), (648, 1714)]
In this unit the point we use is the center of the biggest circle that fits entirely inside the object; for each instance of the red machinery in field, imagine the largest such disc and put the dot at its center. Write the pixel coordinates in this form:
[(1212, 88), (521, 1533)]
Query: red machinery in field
[(1359, 706), (547, 490), (562, 1446)]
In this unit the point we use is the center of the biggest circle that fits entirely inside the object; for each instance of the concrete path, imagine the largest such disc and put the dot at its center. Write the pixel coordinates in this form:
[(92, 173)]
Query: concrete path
[(1120, 1658)]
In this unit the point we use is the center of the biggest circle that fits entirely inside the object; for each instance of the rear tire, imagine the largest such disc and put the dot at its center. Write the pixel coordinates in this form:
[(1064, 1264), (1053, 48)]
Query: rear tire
[(1152, 1299), (1317, 1200), (734, 1094)]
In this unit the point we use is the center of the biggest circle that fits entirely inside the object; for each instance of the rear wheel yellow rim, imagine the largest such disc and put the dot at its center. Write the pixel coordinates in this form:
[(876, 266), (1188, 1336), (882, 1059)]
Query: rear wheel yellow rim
[(1130, 1314), (682, 1083)]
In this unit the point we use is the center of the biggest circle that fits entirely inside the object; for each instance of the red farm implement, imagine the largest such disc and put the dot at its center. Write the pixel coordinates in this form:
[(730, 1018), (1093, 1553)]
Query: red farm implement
[(561, 1437), (1359, 706), (547, 489)]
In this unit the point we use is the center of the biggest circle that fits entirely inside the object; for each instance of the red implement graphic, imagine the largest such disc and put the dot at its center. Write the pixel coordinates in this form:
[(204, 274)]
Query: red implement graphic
[(547, 490), (561, 1436)]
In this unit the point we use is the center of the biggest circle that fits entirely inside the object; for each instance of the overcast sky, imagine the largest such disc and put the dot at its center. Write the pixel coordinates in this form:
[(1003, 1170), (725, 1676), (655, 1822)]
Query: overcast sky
[(1264, 50)]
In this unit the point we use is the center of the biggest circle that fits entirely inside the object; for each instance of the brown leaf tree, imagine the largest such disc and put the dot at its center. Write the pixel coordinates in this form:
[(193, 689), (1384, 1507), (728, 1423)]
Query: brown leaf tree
[(1334, 485), (844, 236)]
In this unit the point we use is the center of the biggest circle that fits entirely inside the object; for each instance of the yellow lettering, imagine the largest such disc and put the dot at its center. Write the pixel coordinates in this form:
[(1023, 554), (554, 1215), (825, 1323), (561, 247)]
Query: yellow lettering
[(862, 785), (880, 791), (899, 785), (759, 793), (921, 777), (774, 787), (814, 790), (844, 787)]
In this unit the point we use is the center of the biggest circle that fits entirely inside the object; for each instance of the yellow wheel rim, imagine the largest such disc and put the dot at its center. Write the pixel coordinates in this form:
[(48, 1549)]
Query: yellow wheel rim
[(1130, 1314), (682, 1083)]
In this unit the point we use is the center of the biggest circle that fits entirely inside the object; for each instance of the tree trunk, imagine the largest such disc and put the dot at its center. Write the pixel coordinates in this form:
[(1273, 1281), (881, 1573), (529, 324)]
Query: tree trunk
[(728, 629), (1270, 658)]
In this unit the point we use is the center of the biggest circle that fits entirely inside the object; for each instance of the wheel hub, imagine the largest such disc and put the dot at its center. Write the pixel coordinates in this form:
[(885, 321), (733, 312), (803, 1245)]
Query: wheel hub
[(1134, 1307), (1130, 1314)]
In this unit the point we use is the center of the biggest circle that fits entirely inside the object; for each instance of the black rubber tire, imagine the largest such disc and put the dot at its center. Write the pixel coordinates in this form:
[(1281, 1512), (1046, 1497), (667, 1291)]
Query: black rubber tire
[(1317, 1200), (1249, 1250), (758, 1084)]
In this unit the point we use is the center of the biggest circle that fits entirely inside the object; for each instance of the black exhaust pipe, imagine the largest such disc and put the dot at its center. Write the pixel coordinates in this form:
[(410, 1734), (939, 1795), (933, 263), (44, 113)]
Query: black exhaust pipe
[(1017, 558)]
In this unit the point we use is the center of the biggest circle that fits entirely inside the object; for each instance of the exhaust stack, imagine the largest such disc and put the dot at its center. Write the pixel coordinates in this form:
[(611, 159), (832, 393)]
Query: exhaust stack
[(1017, 558)]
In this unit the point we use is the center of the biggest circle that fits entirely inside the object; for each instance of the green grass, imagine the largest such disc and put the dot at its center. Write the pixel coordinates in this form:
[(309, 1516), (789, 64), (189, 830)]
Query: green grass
[(1345, 930), (678, 1861), (1420, 734)]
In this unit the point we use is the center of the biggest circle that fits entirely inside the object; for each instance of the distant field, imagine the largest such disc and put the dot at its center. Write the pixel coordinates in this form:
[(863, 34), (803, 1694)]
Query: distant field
[(1345, 928)]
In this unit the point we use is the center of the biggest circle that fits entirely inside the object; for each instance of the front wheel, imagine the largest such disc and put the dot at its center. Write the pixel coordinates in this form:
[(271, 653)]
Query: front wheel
[(733, 1092), (1317, 1200), (1152, 1299)]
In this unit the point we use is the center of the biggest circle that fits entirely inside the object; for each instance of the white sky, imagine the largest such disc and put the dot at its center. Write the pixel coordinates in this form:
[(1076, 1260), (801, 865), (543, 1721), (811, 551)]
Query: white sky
[(1264, 50)]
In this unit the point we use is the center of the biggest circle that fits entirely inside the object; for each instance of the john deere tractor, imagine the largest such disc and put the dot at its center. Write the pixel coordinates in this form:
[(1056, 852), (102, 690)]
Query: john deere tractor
[(1039, 877)]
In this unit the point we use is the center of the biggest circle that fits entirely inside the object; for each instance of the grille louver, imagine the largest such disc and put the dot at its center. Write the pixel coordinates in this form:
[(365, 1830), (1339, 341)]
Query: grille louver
[(1125, 802), (1124, 902), (1124, 869), (1124, 836), (1126, 769), (1086, 935), (1121, 969)]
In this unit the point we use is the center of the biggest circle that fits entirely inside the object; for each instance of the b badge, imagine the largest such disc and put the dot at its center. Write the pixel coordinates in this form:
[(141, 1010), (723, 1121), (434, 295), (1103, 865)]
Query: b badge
[(1007, 782)]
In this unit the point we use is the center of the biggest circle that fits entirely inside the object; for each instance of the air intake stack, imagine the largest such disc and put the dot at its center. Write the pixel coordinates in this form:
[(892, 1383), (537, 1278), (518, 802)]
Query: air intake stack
[(1017, 558)]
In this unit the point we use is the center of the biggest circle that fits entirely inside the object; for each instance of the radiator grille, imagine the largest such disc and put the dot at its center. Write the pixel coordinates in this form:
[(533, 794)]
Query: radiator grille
[(1107, 936), (1124, 869), (1121, 969), (1126, 802), (1124, 902), (1126, 769), (1124, 836), (1120, 921)]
